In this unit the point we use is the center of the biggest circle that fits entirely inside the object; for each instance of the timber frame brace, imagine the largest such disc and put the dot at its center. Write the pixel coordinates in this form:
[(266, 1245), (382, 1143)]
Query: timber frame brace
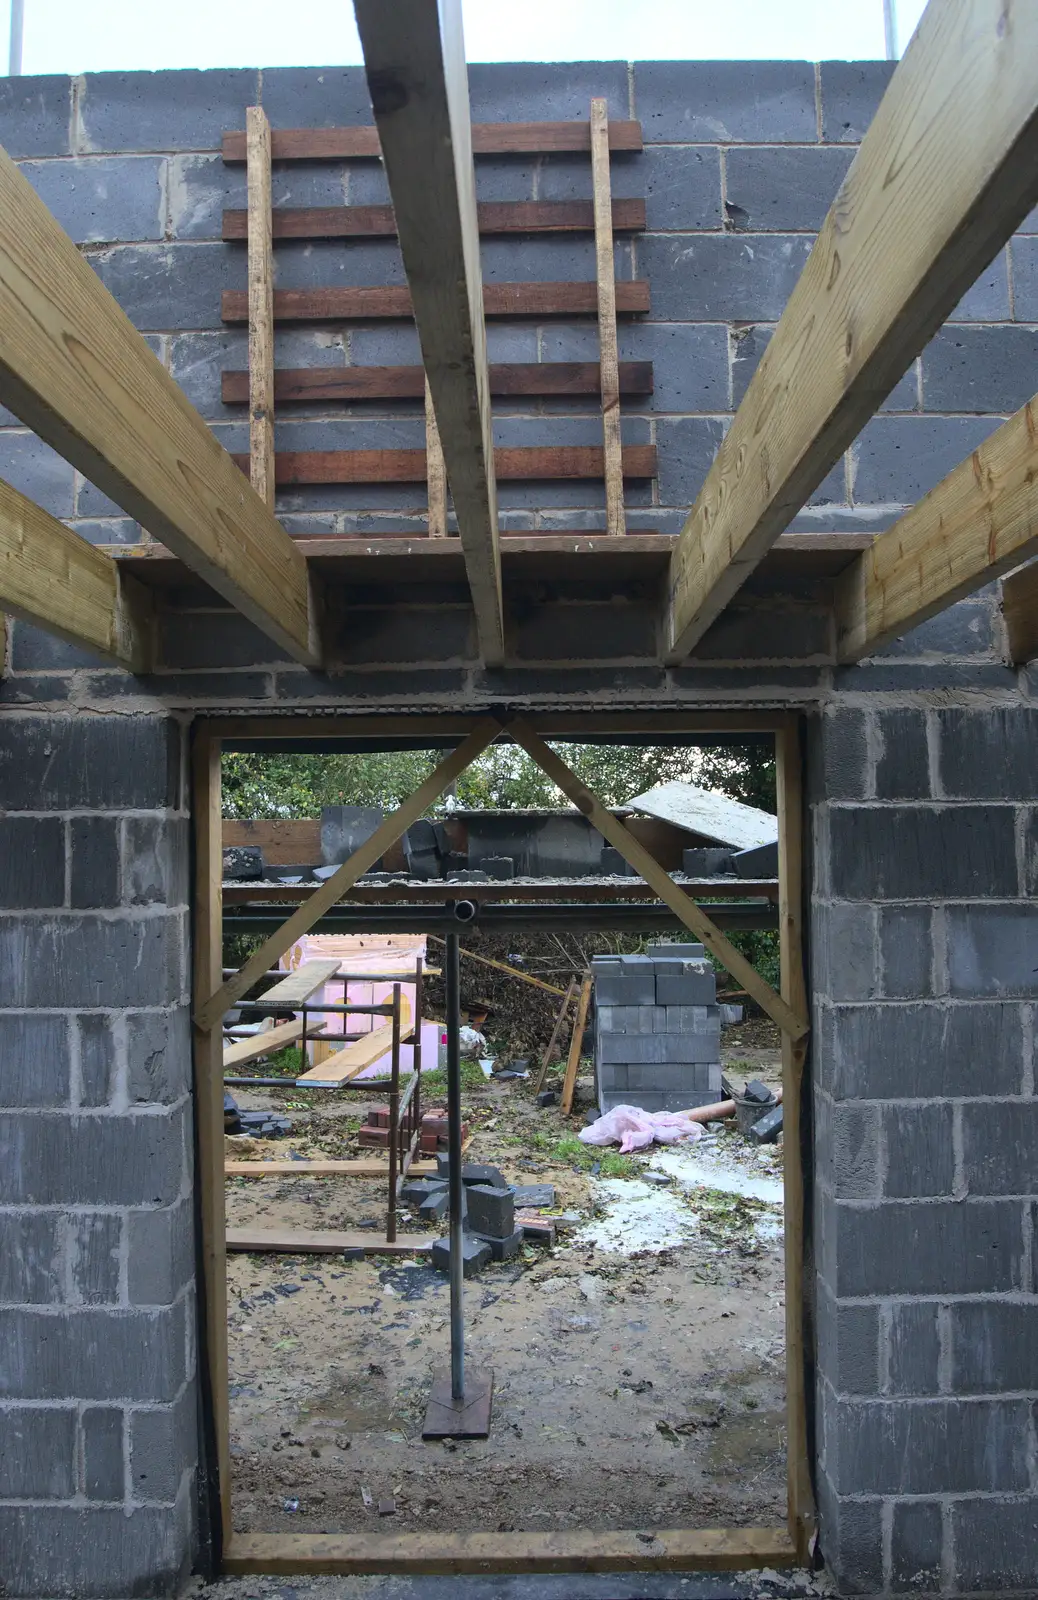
[(680, 1549)]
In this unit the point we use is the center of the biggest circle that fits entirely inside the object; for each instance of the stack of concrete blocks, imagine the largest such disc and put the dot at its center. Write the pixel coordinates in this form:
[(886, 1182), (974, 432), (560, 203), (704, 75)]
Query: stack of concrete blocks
[(657, 1029)]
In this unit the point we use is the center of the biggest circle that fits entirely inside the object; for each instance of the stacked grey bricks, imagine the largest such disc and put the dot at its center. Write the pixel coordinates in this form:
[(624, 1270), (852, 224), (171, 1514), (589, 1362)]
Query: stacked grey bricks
[(657, 1029), (98, 1429), (925, 981)]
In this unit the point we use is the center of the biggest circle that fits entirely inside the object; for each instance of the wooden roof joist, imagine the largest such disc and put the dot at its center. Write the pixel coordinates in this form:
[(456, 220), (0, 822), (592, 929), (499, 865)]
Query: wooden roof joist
[(74, 369), (945, 173), (979, 522), (414, 58)]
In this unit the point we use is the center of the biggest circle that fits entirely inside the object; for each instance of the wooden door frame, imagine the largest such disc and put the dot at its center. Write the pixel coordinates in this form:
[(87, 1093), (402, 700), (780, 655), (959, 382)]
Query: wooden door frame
[(694, 1549)]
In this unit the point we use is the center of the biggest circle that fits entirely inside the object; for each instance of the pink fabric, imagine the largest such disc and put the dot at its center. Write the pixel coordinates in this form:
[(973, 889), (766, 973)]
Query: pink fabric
[(635, 1129)]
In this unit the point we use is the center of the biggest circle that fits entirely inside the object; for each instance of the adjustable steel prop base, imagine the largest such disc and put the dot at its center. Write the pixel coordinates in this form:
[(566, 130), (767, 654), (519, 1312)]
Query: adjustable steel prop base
[(468, 1418)]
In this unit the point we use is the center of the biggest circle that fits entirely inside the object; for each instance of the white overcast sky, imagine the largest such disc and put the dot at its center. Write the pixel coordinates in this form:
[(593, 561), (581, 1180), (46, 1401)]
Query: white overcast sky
[(72, 36)]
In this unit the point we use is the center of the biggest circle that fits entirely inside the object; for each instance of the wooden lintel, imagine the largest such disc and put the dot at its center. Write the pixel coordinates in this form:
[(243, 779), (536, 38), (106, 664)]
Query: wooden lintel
[(75, 370), (946, 171), (414, 58), (53, 578)]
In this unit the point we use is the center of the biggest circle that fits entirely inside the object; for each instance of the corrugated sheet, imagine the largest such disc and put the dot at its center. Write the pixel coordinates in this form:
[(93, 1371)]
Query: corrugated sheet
[(714, 816)]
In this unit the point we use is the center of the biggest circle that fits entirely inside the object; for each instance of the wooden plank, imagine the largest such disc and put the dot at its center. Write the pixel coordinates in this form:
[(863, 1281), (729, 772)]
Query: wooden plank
[(569, 1082), (207, 1044), (301, 983), (211, 1011), (499, 300), (284, 841), (409, 466), (74, 368), (51, 577), (614, 832), (494, 217), (502, 966), (488, 139), (348, 1063), (301, 1241), (305, 384), (609, 360), (435, 472), (979, 522), (546, 1059), (262, 1044), (1020, 614), (414, 57), (793, 984), (574, 1550), (261, 305), (320, 1169), (946, 171)]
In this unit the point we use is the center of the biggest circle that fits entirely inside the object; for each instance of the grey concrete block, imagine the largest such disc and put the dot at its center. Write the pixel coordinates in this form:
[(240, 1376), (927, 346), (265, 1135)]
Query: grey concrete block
[(686, 1019), (37, 471), (777, 190), (396, 635), (913, 1349), (686, 989), (155, 861), (1000, 1147), (914, 1051), (966, 629), (843, 951), (923, 852), (848, 1345), (682, 188), (994, 1346), (916, 1543), (627, 1019), (89, 763), (315, 97), (32, 850), (94, 1242), (675, 950), (842, 755), (344, 829), (978, 368), (128, 962), (721, 277), (654, 1099), (158, 1053), (160, 1253), (927, 1447), (176, 110), (689, 361), (37, 1453), (1025, 278), (672, 1076), (902, 760), (611, 1075), (851, 91), (196, 361), (685, 450), (943, 1248), (989, 754), (165, 286), (583, 632), (103, 199), (991, 950), (93, 1354), (94, 862), (502, 1249), (754, 102), (35, 115), (32, 1258), (920, 1155), (214, 639), (905, 953), (987, 299), (880, 678), (33, 649), (34, 1049), (162, 1446), (760, 862), (112, 1553), (104, 1463), (995, 1543), (897, 460), (91, 1160), (624, 986), (34, 691), (533, 91), (659, 1049), (851, 1534), (475, 1255), (491, 1211), (98, 1066), (614, 865)]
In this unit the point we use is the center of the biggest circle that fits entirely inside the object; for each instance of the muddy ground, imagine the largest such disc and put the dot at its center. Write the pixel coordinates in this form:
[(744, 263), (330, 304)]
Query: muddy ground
[(640, 1389)]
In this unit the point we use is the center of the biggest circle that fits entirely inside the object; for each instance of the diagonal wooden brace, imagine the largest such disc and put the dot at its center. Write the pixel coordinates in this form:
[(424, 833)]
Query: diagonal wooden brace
[(387, 833), (662, 884)]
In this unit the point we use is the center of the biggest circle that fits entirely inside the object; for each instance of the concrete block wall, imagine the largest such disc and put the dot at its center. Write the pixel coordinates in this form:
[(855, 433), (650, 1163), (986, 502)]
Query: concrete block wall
[(98, 1424), (657, 1030), (924, 817)]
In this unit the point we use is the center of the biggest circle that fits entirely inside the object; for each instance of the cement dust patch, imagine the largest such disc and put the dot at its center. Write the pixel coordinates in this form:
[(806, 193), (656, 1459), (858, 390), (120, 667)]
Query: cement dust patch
[(632, 1215), (693, 1165)]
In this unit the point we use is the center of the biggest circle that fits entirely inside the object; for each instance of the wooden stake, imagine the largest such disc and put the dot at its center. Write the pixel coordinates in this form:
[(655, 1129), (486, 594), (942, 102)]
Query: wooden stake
[(542, 1071), (388, 832), (661, 883), (435, 472), (576, 1042), (608, 354), (501, 966), (261, 306)]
